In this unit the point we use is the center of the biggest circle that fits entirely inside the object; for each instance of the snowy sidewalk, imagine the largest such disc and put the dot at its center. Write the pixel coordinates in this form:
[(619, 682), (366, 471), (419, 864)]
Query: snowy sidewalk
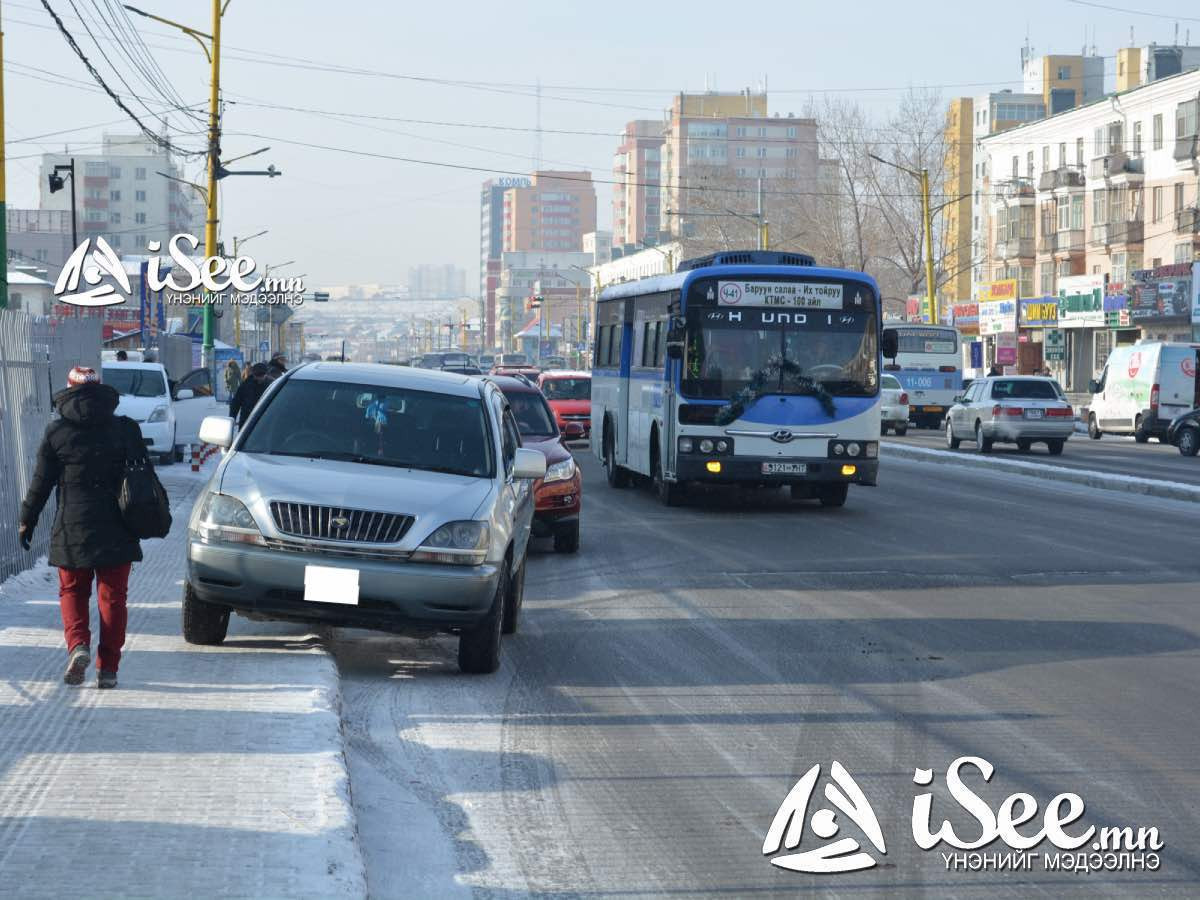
[(210, 772)]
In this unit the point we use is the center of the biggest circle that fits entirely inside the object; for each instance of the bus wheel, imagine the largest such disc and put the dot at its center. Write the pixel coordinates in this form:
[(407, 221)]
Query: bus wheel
[(669, 493), (616, 475), (833, 494)]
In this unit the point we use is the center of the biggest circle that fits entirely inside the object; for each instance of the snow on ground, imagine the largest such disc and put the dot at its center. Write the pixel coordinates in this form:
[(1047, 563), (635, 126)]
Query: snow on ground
[(209, 772)]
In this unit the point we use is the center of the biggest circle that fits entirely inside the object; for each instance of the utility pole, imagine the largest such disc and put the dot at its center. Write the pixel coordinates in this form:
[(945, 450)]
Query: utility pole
[(927, 216), (763, 234)]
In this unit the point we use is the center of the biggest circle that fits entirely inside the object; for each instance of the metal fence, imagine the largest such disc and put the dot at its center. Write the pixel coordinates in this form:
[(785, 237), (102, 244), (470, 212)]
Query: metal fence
[(35, 356)]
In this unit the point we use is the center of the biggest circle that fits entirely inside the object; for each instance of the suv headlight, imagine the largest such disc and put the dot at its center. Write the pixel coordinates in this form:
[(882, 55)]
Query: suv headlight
[(158, 415), (455, 543), (560, 471), (225, 518)]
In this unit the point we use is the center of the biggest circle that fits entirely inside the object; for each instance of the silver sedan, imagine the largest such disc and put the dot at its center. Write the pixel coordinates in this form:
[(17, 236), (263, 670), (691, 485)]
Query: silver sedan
[(1014, 409)]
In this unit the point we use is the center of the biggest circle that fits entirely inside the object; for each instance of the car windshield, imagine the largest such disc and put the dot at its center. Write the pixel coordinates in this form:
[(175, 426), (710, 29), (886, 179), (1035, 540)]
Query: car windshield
[(532, 414), (135, 382), (375, 425), (1017, 389), (567, 388)]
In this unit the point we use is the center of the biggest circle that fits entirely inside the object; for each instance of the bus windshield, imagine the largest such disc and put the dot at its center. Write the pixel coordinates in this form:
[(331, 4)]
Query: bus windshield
[(787, 352)]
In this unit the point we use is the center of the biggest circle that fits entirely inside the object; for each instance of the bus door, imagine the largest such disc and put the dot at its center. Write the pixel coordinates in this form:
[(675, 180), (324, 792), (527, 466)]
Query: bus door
[(621, 450)]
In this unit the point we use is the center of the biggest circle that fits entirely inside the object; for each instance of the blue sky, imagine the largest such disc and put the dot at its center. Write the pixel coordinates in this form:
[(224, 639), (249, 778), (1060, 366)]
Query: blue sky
[(351, 219)]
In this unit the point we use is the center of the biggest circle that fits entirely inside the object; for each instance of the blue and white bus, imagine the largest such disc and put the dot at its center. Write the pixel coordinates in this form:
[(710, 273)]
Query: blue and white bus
[(747, 367), (928, 365)]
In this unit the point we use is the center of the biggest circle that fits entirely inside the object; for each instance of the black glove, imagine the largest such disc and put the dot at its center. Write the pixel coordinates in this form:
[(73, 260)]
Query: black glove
[(25, 535)]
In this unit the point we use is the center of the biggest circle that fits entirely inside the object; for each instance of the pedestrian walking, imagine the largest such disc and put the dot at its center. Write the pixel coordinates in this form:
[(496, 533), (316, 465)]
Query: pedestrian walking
[(83, 454), (233, 377), (277, 366), (248, 394)]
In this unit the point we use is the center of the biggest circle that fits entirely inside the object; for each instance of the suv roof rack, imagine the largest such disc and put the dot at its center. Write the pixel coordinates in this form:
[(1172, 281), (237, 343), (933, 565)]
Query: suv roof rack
[(747, 258)]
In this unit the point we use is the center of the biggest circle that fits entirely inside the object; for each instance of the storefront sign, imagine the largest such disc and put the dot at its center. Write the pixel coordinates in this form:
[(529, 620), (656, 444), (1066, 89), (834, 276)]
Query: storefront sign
[(997, 290), (997, 316), (1006, 348), (966, 317), (1039, 313), (1154, 296), (1081, 301)]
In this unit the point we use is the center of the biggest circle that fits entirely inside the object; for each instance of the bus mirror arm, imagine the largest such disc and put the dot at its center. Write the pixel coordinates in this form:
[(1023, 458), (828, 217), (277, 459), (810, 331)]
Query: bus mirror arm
[(890, 344), (675, 349)]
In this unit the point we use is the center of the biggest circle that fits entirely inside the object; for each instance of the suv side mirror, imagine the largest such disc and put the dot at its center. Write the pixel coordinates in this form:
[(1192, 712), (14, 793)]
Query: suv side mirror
[(529, 464), (890, 343), (217, 430), (958, 398), (1094, 386)]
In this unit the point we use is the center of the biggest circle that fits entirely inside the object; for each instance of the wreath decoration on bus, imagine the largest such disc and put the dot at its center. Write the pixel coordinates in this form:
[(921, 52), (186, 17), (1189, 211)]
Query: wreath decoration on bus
[(777, 370)]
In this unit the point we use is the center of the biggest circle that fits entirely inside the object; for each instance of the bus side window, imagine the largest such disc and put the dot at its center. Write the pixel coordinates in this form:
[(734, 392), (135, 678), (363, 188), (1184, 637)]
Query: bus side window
[(647, 344), (660, 344), (602, 343)]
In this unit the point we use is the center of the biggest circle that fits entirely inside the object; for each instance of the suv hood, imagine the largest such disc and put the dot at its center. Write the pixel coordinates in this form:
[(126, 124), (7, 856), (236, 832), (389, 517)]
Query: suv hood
[(433, 498)]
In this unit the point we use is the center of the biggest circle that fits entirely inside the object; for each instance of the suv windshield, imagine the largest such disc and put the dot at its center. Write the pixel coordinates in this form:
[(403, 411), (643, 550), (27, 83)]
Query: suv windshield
[(367, 423), (1025, 390), (533, 416), (567, 388), (135, 382)]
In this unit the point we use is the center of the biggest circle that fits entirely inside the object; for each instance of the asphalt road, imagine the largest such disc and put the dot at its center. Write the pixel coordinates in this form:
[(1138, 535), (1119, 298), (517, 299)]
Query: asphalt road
[(673, 681), (1121, 455)]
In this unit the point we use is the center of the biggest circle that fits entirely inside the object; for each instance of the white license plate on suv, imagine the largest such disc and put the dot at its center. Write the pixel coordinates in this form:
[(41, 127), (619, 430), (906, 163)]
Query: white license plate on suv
[(325, 584), (1034, 413), (784, 468)]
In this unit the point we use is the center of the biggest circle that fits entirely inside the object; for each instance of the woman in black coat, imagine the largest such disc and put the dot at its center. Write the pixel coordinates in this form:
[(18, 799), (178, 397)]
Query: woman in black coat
[(83, 456)]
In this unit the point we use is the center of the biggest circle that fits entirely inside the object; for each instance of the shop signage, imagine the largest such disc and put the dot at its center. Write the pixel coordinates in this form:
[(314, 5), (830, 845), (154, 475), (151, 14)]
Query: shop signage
[(966, 317), (1081, 301), (1054, 349), (997, 316), (1041, 313), (1155, 296), (1006, 348), (997, 290)]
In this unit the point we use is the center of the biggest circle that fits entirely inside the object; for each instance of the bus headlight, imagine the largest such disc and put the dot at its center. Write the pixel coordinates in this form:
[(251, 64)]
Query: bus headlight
[(838, 449), (706, 446), (853, 448), (685, 445), (872, 450), (722, 446)]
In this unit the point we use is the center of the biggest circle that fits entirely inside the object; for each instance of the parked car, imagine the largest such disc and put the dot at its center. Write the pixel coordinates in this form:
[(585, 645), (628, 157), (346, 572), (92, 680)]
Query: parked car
[(367, 496), (442, 359), (1143, 388), (1014, 409), (168, 414), (1184, 432), (559, 495), (550, 363), (893, 414), (570, 397)]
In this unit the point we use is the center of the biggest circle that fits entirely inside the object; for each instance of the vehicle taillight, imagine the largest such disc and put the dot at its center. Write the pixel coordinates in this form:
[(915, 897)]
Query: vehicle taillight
[(1154, 398), (1060, 412), (996, 410), (904, 399), (947, 369)]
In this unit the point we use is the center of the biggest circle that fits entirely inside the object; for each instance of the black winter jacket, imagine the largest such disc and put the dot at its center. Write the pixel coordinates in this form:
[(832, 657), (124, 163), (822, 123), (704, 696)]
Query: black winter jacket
[(248, 394), (83, 455)]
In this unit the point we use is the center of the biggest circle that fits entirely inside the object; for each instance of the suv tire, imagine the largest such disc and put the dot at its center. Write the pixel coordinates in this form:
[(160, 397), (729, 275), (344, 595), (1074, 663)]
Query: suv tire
[(479, 645), (1188, 441), (1094, 431), (203, 623), (514, 600)]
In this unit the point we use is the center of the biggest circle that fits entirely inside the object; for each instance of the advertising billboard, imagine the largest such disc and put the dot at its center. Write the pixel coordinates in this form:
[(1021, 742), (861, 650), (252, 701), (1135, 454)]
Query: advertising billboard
[(1081, 301)]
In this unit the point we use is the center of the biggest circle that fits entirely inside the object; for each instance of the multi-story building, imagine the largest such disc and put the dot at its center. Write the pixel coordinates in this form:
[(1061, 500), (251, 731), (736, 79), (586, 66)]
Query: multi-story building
[(436, 282), (637, 184), (1108, 191), (958, 177), (491, 245), (727, 140), (1141, 65), (122, 195), (561, 278), (39, 237), (1064, 81), (552, 214)]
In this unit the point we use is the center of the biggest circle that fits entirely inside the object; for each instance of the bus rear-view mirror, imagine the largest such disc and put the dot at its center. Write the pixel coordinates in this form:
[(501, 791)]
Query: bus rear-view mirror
[(890, 343), (1094, 386)]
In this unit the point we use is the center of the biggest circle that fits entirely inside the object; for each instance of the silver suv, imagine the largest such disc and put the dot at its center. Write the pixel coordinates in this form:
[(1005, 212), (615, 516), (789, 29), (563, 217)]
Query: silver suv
[(367, 496)]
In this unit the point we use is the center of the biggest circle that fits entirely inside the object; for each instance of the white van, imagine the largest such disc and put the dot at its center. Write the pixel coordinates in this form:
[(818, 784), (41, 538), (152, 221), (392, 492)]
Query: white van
[(1143, 387)]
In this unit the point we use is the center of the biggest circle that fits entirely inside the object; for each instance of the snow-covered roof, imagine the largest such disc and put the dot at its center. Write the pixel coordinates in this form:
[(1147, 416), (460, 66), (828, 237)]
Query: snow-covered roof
[(15, 277)]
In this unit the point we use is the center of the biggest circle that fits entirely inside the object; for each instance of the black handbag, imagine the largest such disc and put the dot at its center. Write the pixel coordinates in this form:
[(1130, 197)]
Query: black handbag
[(142, 499)]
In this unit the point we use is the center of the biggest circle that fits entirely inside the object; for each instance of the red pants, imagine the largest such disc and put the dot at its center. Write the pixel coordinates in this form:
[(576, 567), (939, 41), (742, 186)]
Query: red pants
[(74, 593)]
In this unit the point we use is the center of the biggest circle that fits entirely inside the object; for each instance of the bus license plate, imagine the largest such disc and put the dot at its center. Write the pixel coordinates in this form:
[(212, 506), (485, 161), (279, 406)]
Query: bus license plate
[(784, 468)]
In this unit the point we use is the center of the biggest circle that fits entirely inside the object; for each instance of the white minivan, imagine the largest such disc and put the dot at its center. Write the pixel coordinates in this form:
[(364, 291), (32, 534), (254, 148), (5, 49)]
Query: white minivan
[(169, 415), (1143, 387)]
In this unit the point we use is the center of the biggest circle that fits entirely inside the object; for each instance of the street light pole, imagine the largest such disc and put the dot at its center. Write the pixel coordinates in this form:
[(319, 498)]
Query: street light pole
[(922, 176)]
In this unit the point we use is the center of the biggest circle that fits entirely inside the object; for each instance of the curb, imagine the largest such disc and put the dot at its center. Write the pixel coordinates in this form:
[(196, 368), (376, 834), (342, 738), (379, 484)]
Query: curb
[(1128, 484)]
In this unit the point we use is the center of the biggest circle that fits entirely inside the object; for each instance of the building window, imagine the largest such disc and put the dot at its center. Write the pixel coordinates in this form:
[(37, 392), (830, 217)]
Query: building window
[(1047, 279), (1064, 73), (1183, 253), (1156, 202), (762, 152), (1156, 133), (139, 173), (139, 196), (740, 131), (1118, 267), (1046, 158), (1079, 152), (114, 172), (1099, 208), (791, 132), (115, 218), (1025, 280), (1098, 142), (1186, 119), (114, 195), (1062, 155), (139, 218), (1178, 197), (762, 132), (1064, 213), (1016, 168), (1029, 164), (1137, 138), (1077, 212), (95, 169)]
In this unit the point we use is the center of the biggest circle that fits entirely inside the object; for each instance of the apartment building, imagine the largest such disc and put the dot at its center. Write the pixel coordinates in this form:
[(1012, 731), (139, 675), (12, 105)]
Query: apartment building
[(728, 140), (122, 194), (1108, 191), (637, 184), (552, 213), (437, 282), (491, 246), (561, 278), (40, 238)]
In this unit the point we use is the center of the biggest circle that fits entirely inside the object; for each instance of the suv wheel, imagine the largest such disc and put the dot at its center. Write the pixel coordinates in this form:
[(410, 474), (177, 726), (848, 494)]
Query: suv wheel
[(514, 599), (203, 623), (479, 645), (1189, 441)]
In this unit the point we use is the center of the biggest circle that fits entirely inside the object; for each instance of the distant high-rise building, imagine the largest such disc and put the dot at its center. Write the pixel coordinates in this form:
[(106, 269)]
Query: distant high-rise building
[(122, 195), (435, 282), (1064, 81), (637, 184), (491, 245), (552, 213)]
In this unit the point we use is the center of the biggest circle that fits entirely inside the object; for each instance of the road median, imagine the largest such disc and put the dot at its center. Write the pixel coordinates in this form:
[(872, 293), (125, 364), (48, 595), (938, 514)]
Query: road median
[(1108, 481)]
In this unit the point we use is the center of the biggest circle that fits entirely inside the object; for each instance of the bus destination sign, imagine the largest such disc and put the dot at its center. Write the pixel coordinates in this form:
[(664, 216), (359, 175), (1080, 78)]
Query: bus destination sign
[(802, 294)]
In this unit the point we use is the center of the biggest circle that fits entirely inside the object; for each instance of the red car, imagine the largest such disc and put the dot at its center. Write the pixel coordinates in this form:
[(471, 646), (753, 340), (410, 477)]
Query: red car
[(570, 396), (558, 496)]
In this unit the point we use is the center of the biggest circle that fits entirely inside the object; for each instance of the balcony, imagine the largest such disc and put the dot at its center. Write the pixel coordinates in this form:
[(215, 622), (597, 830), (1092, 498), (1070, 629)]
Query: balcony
[(1014, 248), (1119, 166), (1186, 150), (1116, 233), (1062, 243), (1061, 178), (1015, 189), (1187, 221)]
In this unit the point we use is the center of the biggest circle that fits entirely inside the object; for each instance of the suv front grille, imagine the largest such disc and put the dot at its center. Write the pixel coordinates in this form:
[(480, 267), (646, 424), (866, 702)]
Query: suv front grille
[(336, 523)]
